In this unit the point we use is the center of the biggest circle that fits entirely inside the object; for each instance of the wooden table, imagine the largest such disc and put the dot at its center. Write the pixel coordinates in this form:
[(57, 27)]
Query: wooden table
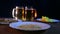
[(55, 29), (5, 29)]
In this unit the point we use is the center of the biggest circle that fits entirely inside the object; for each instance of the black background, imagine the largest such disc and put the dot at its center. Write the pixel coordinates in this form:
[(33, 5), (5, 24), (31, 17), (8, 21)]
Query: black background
[(48, 8)]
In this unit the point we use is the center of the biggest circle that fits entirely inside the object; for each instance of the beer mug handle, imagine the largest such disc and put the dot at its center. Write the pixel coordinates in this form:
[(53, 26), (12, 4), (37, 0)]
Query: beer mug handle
[(13, 12)]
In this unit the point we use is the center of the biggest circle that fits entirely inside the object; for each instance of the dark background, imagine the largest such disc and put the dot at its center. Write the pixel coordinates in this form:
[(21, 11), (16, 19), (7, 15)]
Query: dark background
[(48, 8)]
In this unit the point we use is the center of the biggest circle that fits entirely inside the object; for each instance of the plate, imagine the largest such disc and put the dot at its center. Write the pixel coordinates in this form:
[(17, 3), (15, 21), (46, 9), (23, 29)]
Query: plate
[(43, 26), (8, 20), (53, 20)]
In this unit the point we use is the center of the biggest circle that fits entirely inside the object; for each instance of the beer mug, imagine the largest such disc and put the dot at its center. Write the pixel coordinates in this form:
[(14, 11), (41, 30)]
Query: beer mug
[(30, 13), (18, 12), (24, 14)]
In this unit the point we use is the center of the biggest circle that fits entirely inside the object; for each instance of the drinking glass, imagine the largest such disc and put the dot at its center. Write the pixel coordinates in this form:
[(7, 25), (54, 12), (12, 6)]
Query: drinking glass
[(24, 14), (18, 12), (30, 13)]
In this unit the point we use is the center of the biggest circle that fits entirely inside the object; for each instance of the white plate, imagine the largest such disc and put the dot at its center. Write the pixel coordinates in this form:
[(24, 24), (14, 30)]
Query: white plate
[(43, 26), (9, 22), (54, 20)]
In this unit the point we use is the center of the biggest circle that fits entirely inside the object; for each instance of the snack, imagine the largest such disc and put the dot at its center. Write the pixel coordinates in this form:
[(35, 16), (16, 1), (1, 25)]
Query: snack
[(7, 20), (46, 19), (29, 27)]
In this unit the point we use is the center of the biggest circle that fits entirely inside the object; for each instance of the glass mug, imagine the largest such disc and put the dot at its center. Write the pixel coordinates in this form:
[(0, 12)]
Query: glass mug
[(24, 14)]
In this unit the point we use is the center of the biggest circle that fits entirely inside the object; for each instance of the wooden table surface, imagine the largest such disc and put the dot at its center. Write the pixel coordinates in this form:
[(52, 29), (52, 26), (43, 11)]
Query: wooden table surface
[(5, 29)]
